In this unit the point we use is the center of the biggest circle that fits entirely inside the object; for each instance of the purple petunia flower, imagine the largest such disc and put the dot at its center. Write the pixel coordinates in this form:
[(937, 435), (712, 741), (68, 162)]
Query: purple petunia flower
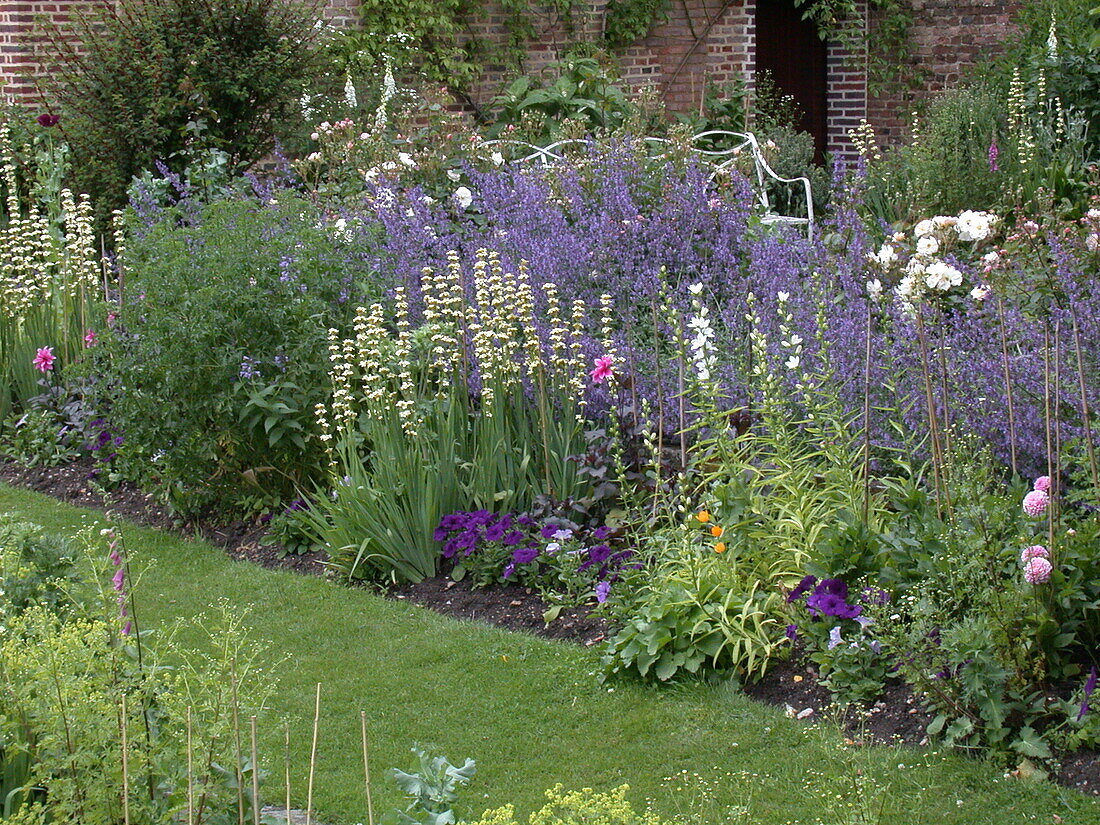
[(834, 637), (601, 533), (603, 590), (525, 555), (831, 604), (495, 532), (513, 538), (792, 632), (802, 588)]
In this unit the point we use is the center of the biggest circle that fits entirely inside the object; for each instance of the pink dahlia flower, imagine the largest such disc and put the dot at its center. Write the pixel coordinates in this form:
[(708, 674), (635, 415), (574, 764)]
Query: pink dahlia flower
[(1035, 503), (1042, 484), (44, 359), (1036, 551), (1037, 571), (90, 338), (602, 370)]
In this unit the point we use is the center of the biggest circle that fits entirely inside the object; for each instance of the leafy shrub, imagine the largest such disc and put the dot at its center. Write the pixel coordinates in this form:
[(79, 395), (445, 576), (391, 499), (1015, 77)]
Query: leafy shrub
[(36, 568), (217, 356), (154, 81), (432, 788)]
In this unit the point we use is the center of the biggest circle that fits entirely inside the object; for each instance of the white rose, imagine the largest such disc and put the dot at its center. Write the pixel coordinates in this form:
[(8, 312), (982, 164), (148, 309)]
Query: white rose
[(453, 175), (979, 293), (928, 245), (464, 197), (974, 226), (923, 228), (1092, 242), (406, 159), (874, 289), (497, 158)]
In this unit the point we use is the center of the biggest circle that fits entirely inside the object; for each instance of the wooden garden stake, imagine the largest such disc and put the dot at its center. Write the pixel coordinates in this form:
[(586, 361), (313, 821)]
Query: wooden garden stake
[(366, 767), (1085, 415), (930, 404), (1008, 387), (313, 755), (237, 744), (125, 768), (255, 776), (190, 774), (867, 420)]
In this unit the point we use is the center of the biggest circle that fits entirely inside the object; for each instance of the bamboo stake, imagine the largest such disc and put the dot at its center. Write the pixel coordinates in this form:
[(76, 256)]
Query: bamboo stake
[(1085, 410), (125, 767), (286, 767), (930, 404), (366, 767), (190, 774), (680, 391), (1008, 388), (313, 755), (867, 420), (255, 776), (237, 744), (1049, 435)]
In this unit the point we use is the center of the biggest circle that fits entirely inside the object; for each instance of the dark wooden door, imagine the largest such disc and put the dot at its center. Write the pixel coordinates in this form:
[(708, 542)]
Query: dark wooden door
[(790, 49)]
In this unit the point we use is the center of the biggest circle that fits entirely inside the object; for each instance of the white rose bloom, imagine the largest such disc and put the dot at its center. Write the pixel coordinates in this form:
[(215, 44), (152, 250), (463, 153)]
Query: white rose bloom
[(406, 159), (942, 276), (928, 245), (991, 258), (898, 237), (497, 158), (914, 268), (874, 289), (979, 293), (453, 175), (886, 256), (1093, 214), (370, 174), (907, 287), (464, 197), (974, 226), (314, 157), (1092, 242), (944, 221), (389, 166), (923, 228)]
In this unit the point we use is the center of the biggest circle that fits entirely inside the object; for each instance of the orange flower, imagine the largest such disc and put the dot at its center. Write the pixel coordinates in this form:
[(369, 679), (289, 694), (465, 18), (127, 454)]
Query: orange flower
[(703, 516), (716, 531), (720, 547)]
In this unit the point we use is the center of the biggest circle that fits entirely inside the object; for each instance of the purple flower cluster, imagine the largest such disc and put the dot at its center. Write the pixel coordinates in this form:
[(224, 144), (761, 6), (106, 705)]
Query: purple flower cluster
[(829, 597), (465, 532)]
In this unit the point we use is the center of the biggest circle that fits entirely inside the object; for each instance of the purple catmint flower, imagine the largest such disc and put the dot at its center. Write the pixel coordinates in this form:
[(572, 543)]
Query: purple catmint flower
[(248, 369)]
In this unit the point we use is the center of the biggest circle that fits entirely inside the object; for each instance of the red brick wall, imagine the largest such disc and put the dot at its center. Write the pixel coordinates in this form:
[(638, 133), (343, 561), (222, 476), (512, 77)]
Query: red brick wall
[(701, 40), (948, 37)]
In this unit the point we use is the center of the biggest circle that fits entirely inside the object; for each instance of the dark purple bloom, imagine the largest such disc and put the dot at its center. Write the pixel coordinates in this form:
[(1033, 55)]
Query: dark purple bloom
[(836, 587), (48, 120), (601, 533), (495, 532), (513, 538), (1090, 686), (830, 604), (603, 590), (802, 588), (509, 570), (525, 555), (548, 531), (792, 632), (440, 534)]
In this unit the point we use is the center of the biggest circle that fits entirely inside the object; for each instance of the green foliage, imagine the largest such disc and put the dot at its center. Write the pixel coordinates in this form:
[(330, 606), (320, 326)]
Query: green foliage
[(233, 329), (156, 80), (432, 788), (37, 439), (628, 21), (36, 568), (576, 808), (579, 96)]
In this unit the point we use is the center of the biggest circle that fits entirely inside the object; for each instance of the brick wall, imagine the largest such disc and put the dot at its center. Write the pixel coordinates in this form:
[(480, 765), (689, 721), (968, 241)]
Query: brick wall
[(948, 37), (701, 40)]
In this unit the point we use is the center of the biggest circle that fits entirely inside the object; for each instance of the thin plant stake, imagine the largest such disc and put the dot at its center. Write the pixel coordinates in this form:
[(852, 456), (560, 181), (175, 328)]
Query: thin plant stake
[(255, 776), (867, 420), (286, 768), (1008, 388), (125, 767), (313, 755), (1085, 414), (366, 767), (190, 774), (237, 745)]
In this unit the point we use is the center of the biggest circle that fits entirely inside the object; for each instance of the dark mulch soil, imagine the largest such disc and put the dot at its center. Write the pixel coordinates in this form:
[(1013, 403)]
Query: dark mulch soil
[(74, 484), (896, 717), (510, 606)]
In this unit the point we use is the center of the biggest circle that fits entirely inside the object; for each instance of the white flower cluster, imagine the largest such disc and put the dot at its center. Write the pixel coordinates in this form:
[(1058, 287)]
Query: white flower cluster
[(37, 267), (702, 336)]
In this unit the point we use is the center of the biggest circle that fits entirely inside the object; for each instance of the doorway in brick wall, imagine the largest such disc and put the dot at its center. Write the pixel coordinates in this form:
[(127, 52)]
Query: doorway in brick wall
[(790, 50)]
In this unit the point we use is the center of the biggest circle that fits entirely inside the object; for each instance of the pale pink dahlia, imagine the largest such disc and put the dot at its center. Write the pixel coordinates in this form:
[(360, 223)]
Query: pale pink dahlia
[(1036, 551), (1035, 503), (1037, 571), (1042, 484)]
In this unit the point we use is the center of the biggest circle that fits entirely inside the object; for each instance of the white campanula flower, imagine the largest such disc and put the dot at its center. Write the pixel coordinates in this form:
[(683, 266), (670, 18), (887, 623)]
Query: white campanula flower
[(783, 297), (463, 197), (928, 245), (922, 229), (349, 93), (792, 362), (974, 226), (696, 289)]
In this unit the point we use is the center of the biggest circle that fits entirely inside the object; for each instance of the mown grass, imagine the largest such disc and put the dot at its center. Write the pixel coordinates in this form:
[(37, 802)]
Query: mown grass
[(531, 712)]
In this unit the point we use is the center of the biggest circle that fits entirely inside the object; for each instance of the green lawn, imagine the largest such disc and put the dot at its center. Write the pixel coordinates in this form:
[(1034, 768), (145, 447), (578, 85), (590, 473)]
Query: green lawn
[(531, 712)]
